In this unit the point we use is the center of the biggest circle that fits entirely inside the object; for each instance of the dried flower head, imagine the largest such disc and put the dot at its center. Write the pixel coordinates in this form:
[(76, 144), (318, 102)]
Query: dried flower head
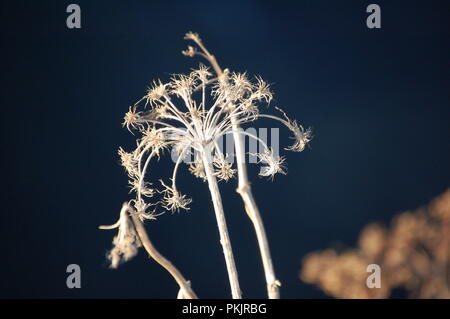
[(154, 138), (272, 164), (174, 200), (155, 92), (128, 162), (224, 169), (131, 119), (189, 114), (197, 168), (301, 136), (176, 114), (126, 243)]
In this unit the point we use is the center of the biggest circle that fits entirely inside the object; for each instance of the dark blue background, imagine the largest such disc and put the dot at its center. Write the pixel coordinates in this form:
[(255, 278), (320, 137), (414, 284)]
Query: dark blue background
[(378, 101)]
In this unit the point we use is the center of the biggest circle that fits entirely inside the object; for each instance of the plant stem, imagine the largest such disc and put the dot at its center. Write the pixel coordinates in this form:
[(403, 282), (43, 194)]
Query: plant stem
[(185, 286), (223, 231), (244, 189)]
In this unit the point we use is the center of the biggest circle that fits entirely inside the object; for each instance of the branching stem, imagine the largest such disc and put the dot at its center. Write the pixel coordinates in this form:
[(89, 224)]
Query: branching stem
[(244, 189)]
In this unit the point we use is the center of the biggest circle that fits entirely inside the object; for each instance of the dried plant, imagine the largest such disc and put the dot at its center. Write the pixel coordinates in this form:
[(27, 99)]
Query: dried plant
[(189, 114), (413, 253)]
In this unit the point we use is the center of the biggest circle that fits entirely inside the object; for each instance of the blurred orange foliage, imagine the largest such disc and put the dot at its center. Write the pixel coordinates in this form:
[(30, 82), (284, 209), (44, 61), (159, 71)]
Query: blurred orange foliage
[(413, 253)]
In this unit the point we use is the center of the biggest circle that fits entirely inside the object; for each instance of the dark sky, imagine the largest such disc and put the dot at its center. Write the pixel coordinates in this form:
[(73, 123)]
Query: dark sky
[(377, 100)]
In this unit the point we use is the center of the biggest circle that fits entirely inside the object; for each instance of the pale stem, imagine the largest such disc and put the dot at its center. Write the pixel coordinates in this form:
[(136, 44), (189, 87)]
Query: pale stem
[(252, 210), (185, 286), (244, 189), (223, 230)]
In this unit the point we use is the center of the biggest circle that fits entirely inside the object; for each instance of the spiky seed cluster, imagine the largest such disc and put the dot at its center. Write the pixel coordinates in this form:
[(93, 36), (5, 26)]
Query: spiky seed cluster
[(176, 115), (224, 169), (301, 136), (197, 168), (173, 200), (131, 119), (272, 164)]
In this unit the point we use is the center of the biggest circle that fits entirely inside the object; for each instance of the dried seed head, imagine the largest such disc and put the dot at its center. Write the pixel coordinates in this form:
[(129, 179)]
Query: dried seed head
[(182, 85), (192, 36), (141, 187), (126, 243), (273, 164), (197, 169), (131, 119), (224, 170), (250, 109), (190, 51), (174, 200), (156, 92), (241, 82), (202, 73), (128, 162), (263, 90), (155, 139), (301, 136)]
